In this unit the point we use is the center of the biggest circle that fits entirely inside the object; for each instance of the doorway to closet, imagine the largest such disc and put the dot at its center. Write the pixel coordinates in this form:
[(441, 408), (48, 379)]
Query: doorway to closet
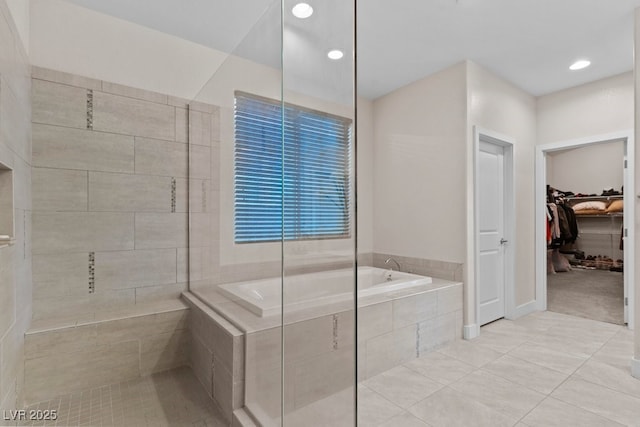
[(585, 227)]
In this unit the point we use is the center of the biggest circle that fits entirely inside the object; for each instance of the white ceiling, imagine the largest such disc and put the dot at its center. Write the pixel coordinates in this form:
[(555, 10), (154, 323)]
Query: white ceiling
[(530, 43)]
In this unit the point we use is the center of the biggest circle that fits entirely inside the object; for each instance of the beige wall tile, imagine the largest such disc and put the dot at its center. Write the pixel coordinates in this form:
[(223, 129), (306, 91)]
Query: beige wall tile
[(7, 289), (12, 356), (200, 161), (80, 307), (131, 92), (132, 269), (194, 199), (308, 338), (78, 232), (436, 332), (202, 232), (129, 193), (262, 348), (15, 261), (215, 126), (15, 130), (58, 104), (201, 361), (77, 371), (450, 299), (178, 102), (21, 184), (57, 275), (182, 125), (155, 230), (138, 327), (196, 263), (65, 78), (200, 128), (161, 352), (414, 309), (375, 320), (10, 401), (223, 390), (128, 116), (391, 349), (59, 190), (66, 340), (323, 375), (156, 157), (64, 148), (7, 226), (151, 294)]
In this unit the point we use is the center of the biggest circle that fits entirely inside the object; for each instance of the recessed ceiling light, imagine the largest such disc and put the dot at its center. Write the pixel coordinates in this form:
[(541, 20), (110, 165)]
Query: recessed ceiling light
[(302, 10), (335, 54), (579, 65)]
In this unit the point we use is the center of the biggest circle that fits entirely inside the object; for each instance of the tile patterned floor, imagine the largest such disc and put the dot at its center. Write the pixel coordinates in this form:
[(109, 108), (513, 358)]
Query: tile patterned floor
[(546, 369), (172, 398)]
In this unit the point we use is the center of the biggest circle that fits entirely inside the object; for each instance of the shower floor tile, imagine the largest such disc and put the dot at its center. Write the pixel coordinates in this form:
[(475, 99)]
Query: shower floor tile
[(171, 398)]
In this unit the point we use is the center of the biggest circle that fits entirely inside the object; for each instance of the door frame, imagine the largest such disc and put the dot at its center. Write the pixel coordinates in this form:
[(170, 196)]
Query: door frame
[(629, 207), (507, 143)]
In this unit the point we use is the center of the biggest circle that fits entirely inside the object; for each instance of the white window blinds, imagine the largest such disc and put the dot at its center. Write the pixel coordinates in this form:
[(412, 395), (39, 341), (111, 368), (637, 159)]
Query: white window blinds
[(308, 186)]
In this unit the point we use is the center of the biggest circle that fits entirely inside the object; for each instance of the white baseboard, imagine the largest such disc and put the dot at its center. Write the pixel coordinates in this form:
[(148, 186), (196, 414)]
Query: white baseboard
[(471, 331), (524, 309), (635, 367)]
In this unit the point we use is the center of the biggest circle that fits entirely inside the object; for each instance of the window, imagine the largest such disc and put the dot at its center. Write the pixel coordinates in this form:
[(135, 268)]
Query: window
[(311, 179)]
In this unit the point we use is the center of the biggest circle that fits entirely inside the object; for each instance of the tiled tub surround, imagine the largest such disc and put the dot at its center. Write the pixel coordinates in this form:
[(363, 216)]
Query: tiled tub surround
[(216, 355), (110, 194), (15, 259), (426, 267), (394, 328), (119, 347)]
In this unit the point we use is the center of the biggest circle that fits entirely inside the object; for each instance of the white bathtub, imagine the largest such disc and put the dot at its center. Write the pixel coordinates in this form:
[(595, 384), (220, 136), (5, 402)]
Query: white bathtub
[(264, 297)]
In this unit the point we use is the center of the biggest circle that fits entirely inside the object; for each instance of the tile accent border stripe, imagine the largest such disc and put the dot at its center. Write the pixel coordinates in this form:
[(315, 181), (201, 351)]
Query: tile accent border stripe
[(92, 272), (90, 109), (173, 194)]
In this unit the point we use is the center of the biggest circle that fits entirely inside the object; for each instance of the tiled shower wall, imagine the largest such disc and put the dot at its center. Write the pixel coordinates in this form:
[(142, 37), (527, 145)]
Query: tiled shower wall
[(110, 194), (15, 260)]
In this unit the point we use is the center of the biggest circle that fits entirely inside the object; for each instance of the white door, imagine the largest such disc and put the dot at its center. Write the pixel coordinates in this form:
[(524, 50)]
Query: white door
[(491, 232)]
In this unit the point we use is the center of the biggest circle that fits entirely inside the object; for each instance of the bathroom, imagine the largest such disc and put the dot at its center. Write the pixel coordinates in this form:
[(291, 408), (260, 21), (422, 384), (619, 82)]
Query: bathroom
[(134, 294)]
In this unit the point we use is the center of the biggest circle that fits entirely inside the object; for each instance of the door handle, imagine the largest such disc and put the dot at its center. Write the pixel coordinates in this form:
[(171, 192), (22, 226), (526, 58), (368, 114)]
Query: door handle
[(503, 241)]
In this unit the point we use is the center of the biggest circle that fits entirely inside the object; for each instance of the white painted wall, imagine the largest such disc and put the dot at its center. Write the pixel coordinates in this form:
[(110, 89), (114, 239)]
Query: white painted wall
[(602, 107), (419, 168), (587, 169), (366, 189), (596, 108), (69, 38), (20, 13), (499, 106)]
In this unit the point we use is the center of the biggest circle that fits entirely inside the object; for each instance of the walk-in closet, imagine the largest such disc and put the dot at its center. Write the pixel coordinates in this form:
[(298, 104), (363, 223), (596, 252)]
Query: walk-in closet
[(585, 245)]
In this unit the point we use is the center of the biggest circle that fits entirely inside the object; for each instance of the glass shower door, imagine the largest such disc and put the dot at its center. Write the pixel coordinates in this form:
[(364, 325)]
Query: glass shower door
[(319, 226), (272, 220)]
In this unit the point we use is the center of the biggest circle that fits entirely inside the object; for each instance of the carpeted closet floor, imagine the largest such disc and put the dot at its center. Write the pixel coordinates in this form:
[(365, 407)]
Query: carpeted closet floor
[(592, 294)]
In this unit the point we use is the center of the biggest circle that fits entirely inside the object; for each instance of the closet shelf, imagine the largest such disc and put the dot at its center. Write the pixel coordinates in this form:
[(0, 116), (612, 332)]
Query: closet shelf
[(595, 198), (604, 215)]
